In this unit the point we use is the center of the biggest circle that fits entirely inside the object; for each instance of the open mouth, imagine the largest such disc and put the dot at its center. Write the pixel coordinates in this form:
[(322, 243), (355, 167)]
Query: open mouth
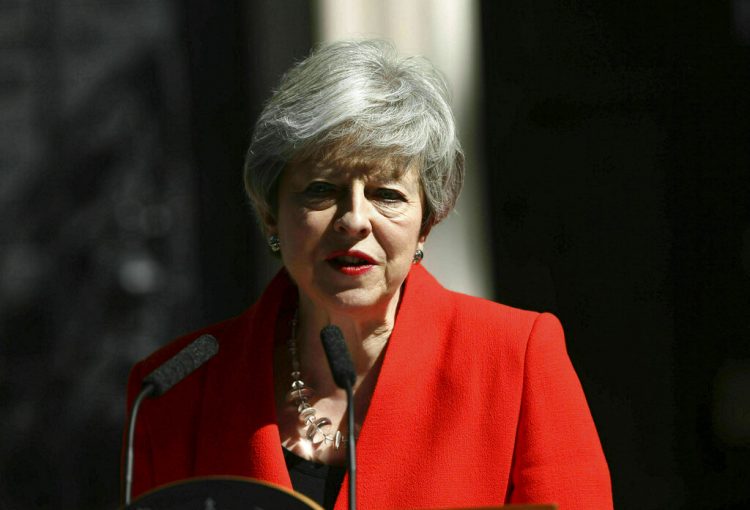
[(350, 262)]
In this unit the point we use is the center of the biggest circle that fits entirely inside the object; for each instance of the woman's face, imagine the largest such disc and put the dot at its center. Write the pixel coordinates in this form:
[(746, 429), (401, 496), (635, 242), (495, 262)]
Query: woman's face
[(348, 231)]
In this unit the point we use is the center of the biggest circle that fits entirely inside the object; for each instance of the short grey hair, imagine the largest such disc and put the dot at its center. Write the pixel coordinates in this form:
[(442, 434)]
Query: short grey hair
[(379, 103)]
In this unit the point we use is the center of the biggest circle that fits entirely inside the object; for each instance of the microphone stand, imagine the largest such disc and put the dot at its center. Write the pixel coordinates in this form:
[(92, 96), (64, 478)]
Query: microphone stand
[(147, 391), (342, 369), (161, 380), (351, 448)]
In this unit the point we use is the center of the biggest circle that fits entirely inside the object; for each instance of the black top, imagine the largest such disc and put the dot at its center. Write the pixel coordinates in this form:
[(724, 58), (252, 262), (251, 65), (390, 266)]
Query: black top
[(319, 482)]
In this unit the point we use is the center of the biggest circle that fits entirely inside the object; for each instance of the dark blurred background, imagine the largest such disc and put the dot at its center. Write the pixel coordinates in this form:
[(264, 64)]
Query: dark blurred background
[(617, 177)]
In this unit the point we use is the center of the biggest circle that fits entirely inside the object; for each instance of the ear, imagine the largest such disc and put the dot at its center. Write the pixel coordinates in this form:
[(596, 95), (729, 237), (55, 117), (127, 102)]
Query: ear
[(268, 222), (425, 228), (423, 235)]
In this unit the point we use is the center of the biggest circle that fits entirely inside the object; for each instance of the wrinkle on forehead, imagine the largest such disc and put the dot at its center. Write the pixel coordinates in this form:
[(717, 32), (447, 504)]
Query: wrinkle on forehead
[(343, 157)]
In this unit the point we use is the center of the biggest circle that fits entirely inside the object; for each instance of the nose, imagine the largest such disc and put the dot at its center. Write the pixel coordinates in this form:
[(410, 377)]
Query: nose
[(354, 214)]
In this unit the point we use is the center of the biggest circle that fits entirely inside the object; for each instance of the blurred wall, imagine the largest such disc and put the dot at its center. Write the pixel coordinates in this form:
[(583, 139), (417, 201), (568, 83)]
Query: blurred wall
[(123, 221), (618, 161), (98, 233)]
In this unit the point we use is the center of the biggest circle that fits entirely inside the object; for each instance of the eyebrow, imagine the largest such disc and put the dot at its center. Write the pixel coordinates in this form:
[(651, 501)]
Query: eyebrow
[(387, 172)]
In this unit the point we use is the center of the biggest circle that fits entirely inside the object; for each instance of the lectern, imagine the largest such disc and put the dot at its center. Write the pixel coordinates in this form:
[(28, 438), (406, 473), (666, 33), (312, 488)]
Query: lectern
[(239, 493)]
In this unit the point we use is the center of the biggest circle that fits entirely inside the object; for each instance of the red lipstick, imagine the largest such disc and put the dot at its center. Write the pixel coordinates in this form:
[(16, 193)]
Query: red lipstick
[(350, 262)]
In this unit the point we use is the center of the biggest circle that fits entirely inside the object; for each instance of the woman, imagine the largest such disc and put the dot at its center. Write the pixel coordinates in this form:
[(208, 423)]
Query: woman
[(460, 402)]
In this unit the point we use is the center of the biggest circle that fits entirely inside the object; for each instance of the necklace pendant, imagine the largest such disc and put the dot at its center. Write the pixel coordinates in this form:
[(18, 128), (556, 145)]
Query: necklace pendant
[(337, 440), (306, 412), (316, 429), (315, 432), (299, 395)]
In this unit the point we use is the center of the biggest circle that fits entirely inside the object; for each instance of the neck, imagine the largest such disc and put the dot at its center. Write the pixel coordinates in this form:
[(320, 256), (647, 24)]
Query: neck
[(366, 334)]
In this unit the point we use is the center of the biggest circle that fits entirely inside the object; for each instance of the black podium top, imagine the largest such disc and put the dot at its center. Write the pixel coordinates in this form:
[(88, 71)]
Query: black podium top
[(222, 493)]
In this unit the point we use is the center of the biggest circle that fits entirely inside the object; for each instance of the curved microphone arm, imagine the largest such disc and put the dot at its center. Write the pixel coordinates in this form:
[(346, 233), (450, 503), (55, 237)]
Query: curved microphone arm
[(146, 391), (161, 380)]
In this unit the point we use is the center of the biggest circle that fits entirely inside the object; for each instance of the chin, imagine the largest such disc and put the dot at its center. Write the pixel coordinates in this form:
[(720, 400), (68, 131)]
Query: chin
[(357, 300), (354, 299)]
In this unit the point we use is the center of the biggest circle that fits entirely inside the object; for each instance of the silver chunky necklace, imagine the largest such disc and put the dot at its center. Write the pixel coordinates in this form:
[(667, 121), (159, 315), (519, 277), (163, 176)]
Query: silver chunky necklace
[(317, 429)]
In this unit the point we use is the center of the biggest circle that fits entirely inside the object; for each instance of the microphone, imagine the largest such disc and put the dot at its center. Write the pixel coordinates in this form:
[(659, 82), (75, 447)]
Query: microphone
[(161, 380), (338, 356), (344, 376), (181, 365)]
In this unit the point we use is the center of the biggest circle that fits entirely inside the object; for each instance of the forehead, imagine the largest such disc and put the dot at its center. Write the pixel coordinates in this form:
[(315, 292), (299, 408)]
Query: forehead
[(338, 163)]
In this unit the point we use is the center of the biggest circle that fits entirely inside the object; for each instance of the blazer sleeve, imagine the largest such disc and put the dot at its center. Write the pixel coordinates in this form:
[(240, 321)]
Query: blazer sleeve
[(558, 457)]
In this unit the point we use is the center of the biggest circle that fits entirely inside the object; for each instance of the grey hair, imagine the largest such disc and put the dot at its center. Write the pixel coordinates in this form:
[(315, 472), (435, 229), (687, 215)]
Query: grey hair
[(376, 101)]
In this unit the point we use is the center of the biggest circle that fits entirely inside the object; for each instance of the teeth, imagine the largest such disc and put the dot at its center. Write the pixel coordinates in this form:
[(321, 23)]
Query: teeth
[(350, 260)]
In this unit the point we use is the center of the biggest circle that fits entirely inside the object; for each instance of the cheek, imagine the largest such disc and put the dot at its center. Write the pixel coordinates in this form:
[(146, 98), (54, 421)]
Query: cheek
[(301, 228), (401, 243)]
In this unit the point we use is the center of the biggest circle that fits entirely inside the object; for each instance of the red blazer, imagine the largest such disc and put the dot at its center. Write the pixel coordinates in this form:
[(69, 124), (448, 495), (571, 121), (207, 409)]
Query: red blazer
[(476, 404)]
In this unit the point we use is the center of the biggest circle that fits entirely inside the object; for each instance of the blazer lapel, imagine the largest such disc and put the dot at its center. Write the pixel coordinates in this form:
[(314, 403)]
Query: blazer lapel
[(388, 437), (241, 435)]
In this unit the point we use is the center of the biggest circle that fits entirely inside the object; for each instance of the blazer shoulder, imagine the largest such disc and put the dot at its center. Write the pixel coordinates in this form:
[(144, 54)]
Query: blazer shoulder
[(464, 306), (472, 310), (478, 320)]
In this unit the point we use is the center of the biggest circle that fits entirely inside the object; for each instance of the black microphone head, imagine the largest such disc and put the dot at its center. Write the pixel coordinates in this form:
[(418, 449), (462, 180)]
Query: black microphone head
[(182, 364), (338, 356)]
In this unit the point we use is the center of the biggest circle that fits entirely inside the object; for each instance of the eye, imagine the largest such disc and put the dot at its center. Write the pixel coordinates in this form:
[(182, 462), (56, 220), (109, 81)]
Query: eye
[(389, 195), (319, 188)]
